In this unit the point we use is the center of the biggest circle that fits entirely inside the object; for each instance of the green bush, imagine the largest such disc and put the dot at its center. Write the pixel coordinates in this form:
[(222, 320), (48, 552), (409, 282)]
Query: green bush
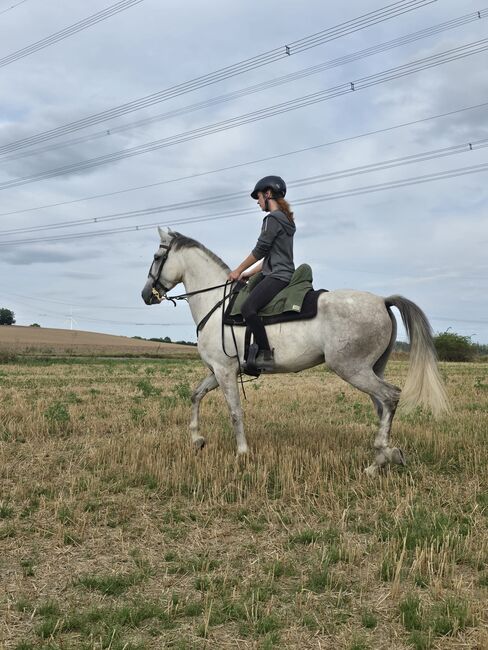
[(454, 347)]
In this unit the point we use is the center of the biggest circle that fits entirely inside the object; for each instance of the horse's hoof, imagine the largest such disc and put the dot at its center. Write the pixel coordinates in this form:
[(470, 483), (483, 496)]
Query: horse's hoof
[(243, 452), (372, 470), (398, 457), (199, 444)]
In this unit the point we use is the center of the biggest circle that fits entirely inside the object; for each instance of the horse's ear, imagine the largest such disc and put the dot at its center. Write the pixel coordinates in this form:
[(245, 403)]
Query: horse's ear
[(171, 232), (163, 233)]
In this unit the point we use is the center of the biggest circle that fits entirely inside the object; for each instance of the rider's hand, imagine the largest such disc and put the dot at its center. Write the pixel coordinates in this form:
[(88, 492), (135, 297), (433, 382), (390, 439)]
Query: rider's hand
[(234, 275)]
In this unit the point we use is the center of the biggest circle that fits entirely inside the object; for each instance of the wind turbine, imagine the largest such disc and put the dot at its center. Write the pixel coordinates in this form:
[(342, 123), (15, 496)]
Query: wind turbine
[(70, 319)]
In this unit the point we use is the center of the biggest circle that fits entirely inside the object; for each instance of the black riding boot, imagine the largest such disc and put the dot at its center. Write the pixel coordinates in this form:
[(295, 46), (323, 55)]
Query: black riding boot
[(265, 361)]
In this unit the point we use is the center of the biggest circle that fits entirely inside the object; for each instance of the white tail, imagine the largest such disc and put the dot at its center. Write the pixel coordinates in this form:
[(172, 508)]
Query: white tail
[(424, 384)]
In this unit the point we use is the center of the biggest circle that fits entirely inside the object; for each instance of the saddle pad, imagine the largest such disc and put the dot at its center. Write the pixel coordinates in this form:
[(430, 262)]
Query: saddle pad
[(308, 310), (288, 299)]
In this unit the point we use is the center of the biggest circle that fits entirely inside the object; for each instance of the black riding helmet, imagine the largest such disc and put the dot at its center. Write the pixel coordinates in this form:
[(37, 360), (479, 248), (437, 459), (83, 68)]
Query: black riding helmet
[(274, 183)]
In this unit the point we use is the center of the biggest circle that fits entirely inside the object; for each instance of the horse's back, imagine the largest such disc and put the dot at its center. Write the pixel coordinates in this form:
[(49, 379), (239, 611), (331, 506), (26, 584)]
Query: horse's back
[(348, 303)]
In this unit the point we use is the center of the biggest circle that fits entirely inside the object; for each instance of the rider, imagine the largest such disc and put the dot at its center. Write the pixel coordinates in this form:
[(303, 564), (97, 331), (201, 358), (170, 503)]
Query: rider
[(274, 249)]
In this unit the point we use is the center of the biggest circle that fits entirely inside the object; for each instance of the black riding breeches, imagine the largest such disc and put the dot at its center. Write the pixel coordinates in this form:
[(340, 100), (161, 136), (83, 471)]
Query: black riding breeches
[(261, 295)]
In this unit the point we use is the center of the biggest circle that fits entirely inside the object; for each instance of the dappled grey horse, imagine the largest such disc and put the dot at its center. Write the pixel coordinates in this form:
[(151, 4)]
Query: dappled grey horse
[(353, 333)]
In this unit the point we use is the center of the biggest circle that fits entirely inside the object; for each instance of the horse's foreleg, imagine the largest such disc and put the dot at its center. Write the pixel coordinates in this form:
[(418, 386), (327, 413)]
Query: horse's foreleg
[(208, 384), (227, 379)]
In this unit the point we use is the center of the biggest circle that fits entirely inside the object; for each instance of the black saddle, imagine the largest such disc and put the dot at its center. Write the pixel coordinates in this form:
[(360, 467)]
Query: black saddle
[(309, 310)]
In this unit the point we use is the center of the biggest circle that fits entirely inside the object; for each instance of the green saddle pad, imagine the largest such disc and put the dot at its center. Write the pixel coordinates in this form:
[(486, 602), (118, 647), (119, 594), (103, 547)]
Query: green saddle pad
[(288, 299)]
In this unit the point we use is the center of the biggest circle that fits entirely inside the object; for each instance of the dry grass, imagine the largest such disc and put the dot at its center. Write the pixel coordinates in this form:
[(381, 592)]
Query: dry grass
[(115, 535)]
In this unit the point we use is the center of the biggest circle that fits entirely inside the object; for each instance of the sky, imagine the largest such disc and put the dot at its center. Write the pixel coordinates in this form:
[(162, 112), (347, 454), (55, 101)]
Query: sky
[(424, 240)]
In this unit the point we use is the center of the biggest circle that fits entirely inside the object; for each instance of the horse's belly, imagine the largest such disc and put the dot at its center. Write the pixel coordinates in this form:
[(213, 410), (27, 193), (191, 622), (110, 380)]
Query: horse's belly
[(297, 345)]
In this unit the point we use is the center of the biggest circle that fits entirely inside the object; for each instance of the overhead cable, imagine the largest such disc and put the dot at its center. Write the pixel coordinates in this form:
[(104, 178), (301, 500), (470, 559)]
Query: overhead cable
[(69, 31), (392, 163), (292, 48), (390, 74), (264, 86), (318, 198), (4, 11), (249, 162)]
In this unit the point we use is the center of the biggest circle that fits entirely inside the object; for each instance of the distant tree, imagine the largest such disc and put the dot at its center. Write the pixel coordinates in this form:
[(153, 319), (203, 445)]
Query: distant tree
[(402, 346), (454, 347), (166, 339), (481, 349), (7, 316), (34, 325)]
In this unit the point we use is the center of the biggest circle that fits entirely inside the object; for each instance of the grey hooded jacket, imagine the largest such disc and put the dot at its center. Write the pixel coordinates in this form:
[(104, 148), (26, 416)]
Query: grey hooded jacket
[(275, 245)]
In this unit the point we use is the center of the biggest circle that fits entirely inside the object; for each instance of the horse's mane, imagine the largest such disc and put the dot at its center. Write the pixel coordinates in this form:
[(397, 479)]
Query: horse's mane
[(179, 241)]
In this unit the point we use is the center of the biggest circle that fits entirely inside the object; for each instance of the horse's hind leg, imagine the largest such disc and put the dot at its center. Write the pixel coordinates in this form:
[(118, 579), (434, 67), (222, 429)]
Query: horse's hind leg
[(385, 397), (208, 384)]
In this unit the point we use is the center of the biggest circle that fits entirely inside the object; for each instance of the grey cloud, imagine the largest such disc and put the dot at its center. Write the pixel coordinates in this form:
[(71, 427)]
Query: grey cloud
[(83, 275), (20, 256)]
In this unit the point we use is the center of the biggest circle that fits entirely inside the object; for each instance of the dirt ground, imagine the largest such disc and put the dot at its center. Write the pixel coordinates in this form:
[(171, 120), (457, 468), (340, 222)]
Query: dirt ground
[(15, 339)]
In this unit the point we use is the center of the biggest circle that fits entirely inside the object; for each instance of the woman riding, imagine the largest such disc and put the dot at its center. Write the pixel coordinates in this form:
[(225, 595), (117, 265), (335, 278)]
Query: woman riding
[(274, 250)]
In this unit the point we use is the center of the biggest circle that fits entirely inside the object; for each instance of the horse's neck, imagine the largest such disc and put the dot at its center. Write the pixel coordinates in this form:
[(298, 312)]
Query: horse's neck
[(201, 272)]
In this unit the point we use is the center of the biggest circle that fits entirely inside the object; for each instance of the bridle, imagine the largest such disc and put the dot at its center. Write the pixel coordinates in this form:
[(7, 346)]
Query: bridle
[(155, 277), (158, 286)]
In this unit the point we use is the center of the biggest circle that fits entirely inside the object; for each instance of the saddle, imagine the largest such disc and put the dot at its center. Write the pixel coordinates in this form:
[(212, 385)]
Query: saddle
[(297, 301)]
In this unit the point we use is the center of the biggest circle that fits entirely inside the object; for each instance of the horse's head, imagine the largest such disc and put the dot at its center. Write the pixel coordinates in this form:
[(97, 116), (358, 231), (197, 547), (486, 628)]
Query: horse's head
[(164, 273)]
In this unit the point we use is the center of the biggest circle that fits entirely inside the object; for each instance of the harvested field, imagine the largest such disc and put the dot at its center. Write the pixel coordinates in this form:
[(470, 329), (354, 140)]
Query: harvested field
[(55, 342), (114, 534)]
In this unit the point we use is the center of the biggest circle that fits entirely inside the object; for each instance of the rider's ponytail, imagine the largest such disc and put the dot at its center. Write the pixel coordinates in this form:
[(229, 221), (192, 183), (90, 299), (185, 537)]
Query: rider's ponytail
[(285, 208)]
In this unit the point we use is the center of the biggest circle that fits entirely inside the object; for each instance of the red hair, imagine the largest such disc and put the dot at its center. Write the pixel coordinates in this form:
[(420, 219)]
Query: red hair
[(285, 208)]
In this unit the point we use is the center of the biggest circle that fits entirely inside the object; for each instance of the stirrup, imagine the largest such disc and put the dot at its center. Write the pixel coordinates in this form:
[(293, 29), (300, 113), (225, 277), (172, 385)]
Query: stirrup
[(249, 366)]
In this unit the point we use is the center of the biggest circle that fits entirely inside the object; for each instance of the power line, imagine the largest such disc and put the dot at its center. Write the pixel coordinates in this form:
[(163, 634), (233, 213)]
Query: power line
[(351, 26), (390, 74), (68, 31), (458, 320), (179, 324), (117, 322), (473, 145), (12, 7), (250, 162), (70, 303), (89, 318), (263, 86), (368, 189)]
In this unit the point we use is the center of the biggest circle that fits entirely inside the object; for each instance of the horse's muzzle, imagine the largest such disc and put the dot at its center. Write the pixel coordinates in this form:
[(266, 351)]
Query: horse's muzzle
[(151, 296)]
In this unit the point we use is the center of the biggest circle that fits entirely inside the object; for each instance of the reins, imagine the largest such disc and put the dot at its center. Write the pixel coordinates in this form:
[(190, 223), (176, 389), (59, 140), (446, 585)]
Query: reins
[(183, 296)]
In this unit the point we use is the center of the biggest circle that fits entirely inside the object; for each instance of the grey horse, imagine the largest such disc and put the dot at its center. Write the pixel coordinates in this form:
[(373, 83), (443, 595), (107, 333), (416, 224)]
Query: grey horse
[(353, 333)]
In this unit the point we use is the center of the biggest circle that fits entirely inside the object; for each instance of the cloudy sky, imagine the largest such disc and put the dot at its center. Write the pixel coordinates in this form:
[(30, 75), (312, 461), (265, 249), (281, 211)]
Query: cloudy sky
[(425, 240)]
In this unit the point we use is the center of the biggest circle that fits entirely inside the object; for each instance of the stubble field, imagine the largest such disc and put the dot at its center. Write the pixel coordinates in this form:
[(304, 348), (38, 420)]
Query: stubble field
[(114, 534)]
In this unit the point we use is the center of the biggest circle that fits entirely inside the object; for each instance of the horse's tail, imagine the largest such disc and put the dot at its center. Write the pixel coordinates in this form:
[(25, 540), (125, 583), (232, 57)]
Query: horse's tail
[(423, 384)]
